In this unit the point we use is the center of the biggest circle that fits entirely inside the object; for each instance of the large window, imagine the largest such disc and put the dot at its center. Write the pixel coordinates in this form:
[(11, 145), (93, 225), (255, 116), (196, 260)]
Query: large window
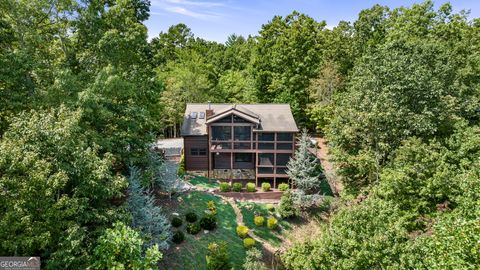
[(284, 146), (282, 159), (198, 151), (266, 137), (243, 157), (267, 146), (242, 133), (221, 133), (284, 137), (265, 159)]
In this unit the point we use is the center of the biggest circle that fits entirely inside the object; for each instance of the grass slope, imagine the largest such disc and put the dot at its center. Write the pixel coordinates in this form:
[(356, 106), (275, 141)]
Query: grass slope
[(203, 182)]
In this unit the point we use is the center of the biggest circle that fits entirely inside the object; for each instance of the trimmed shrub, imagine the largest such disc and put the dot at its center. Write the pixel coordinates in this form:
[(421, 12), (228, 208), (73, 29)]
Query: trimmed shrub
[(191, 217), (270, 207), (224, 187), (176, 222), (237, 187), (286, 209), (208, 222), (193, 228), (178, 237), (283, 187), (217, 256), (259, 220), (272, 223), (242, 231), (211, 207), (251, 187), (266, 186), (248, 242)]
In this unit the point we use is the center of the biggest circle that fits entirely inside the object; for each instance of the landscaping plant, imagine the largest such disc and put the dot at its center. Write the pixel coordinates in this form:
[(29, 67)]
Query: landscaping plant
[(272, 223), (248, 242), (253, 261), (217, 257), (286, 209), (191, 217), (259, 220), (211, 207), (178, 237), (176, 222), (237, 187), (224, 187), (270, 207), (208, 222), (266, 186), (193, 228), (242, 231), (283, 187), (251, 187)]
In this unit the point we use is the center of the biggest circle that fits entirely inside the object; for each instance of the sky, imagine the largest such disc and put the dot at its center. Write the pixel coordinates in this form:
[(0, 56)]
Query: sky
[(216, 19)]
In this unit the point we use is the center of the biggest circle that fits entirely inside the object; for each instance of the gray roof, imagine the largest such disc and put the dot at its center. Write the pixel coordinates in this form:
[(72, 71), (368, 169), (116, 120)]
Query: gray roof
[(272, 117)]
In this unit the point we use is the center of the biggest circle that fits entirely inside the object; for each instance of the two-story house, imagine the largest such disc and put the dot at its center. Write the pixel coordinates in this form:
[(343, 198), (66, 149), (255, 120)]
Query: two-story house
[(239, 142)]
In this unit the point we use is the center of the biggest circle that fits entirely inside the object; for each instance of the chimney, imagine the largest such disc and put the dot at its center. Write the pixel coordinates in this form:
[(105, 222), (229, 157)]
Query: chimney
[(209, 111)]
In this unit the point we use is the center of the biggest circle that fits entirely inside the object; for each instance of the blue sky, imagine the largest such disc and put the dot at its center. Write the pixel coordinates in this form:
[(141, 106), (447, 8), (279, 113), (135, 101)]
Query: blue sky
[(217, 19)]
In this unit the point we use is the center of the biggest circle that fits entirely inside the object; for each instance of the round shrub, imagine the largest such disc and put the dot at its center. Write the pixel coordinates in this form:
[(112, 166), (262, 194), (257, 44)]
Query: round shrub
[(251, 187), (208, 222), (283, 187), (224, 187), (266, 186), (272, 223), (191, 217), (242, 231), (237, 187), (248, 242), (176, 222), (178, 237), (259, 220), (270, 207), (193, 228)]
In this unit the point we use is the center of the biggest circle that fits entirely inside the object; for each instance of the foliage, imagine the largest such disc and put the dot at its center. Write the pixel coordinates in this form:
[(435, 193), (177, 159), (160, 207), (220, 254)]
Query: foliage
[(121, 248), (212, 208), (242, 231), (253, 261), (193, 228), (191, 217), (251, 187), (208, 222), (266, 186), (270, 207), (237, 187), (217, 258), (286, 208), (176, 222), (283, 187), (225, 187), (259, 220), (248, 242), (178, 237), (272, 223), (181, 165)]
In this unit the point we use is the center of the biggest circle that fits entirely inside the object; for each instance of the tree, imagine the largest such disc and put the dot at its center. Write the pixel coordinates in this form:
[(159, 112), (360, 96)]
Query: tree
[(120, 247), (286, 208), (304, 169), (217, 257), (253, 260)]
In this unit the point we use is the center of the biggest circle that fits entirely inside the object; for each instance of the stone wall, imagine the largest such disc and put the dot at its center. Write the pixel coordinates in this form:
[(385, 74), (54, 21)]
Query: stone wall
[(227, 174)]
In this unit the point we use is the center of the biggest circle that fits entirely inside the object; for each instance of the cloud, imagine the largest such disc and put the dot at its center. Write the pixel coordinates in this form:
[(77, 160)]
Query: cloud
[(190, 13), (196, 3), (195, 9)]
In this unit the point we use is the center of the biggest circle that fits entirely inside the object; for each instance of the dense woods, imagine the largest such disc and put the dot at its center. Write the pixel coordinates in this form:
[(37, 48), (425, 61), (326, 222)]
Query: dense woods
[(84, 92)]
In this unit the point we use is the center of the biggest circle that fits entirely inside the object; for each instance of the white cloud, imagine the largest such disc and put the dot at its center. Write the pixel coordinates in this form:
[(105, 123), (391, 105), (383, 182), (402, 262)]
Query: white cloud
[(196, 3), (195, 9), (190, 13)]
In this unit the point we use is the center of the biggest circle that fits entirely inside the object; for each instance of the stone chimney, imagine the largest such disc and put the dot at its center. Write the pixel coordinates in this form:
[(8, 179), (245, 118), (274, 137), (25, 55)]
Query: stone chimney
[(209, 111)]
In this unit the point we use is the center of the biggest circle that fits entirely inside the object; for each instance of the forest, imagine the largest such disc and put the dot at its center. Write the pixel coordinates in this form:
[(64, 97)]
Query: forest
[(84, 93)]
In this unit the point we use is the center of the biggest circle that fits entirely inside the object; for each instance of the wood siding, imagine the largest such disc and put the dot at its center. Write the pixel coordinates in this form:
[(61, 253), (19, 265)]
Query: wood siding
[(195, 162)]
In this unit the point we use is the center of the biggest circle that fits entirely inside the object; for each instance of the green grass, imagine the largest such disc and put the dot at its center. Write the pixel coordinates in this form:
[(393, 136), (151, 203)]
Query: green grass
[(203, 182), (325, 188), (272, 236), (191, 253)]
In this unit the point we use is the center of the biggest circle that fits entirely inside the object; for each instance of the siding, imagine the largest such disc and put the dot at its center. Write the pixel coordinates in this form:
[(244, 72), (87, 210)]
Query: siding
[(195, 163)]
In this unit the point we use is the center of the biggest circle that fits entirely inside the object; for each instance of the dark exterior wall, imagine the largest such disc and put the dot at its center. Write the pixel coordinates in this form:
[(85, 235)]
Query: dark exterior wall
[(195, 163), (221, 161)]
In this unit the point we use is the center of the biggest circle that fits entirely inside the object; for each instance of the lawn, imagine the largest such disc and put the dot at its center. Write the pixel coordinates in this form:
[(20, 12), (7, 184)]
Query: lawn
[(203, 182), (272, 236), (191, 253)]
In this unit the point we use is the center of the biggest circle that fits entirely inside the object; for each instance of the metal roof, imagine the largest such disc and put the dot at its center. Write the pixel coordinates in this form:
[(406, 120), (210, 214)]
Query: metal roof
[(272, 117)]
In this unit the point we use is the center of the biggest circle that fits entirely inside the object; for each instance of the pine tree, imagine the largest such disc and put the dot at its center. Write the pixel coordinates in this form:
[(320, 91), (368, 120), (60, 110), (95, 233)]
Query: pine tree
[(304, 169), (146, 216)]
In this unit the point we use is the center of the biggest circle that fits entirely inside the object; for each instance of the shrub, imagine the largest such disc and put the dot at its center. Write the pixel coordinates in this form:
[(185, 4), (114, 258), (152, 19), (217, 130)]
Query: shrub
[(178, 237), (193, 228), (211, 207), (237, 187), (253, 261), (270, 207), (266, 186), (224, 187), (272, 223), (259, 220), (217, 257), (191, 217), (251, 187), (248, 242), (176, 222), (283, 187), (181, 166), (208, 222), (286, 208), (242, 231)]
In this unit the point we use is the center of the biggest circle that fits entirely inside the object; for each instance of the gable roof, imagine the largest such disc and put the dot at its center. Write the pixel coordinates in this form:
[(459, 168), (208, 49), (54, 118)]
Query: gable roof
[(268, 117)]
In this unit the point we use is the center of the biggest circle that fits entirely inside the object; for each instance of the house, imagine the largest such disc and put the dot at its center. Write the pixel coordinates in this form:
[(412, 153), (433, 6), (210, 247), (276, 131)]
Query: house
[(239, 142)]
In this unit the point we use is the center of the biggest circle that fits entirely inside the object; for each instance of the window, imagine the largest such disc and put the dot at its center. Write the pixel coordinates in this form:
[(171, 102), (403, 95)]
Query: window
[(237, 119), (281, 170), (201, 115), (226, 119), (266, 137), (282, 159), (220, 133), (265, 170), (193, 115), (242, 146), (265, 145), (243, 157), (284, 137), (198, 151), (242, 133), (265, 159), (284, 146)]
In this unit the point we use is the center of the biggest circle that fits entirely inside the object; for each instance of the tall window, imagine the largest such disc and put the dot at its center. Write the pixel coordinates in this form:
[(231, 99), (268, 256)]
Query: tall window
[(284, 137), (243, 157), (221, 133), (242, 133), (266, 137)]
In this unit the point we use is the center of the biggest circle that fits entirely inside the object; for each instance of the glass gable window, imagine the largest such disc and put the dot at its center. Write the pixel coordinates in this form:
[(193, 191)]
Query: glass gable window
[(220, 133), (284, 137), (266, 137), (242, 133)]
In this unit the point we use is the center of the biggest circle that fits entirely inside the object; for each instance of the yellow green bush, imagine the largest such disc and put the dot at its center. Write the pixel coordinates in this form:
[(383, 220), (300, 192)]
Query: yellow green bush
[(242, 231), (272, 223), (248, 242), (259, 220)]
